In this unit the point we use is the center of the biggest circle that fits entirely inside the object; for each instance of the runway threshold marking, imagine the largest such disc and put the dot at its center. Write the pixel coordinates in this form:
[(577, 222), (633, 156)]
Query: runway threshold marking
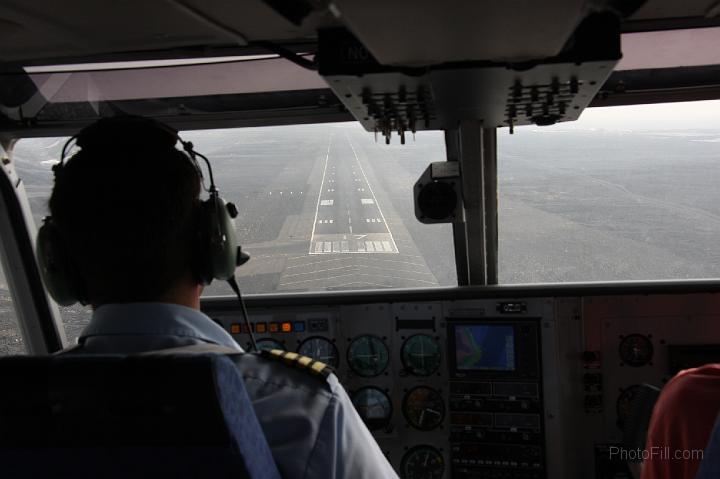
[(353, 245)]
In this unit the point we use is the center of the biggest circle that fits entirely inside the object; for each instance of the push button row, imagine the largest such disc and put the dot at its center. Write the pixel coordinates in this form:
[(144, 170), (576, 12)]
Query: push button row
[(272, 327)]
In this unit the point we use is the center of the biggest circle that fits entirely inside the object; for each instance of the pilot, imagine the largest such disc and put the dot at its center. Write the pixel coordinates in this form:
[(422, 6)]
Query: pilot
[(126, 205)]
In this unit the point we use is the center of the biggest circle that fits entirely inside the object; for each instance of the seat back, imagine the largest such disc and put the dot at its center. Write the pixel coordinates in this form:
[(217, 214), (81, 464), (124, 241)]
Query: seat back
[(186, 416)]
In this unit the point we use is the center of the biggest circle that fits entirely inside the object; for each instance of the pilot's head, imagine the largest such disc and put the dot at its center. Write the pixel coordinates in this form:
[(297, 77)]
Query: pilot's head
[(126, 206)]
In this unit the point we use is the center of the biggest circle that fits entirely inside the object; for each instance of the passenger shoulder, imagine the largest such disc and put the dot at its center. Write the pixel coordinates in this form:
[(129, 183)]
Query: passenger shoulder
[(690, 390)]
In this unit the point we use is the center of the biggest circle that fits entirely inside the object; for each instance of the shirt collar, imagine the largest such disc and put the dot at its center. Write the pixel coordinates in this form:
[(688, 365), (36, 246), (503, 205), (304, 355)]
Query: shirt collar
[(155, 319)]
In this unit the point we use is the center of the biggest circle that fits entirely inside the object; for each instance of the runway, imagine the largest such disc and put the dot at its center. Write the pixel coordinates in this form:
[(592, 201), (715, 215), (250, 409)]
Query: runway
[(358, 220), (348, 215)]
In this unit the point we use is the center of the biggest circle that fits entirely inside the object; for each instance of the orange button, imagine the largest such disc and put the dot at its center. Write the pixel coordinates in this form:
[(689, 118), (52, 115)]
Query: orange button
[(286, 327), (274, 327), (235, 328), (260, 328)]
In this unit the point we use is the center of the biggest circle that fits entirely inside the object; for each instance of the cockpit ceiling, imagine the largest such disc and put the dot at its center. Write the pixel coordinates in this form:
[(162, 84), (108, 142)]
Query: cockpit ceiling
[(401, 31), (673, 9), (47, 29)]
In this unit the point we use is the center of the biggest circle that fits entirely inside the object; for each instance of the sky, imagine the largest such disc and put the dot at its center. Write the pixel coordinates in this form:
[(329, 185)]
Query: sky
[(663, 116)]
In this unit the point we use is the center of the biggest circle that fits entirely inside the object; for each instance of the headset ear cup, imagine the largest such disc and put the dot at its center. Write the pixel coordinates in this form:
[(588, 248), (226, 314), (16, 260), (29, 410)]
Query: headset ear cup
[(221, 245), (202, 263), (56, 267)]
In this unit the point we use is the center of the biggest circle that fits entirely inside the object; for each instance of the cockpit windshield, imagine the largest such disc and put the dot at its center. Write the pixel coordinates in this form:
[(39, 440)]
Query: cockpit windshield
[(625, 193)]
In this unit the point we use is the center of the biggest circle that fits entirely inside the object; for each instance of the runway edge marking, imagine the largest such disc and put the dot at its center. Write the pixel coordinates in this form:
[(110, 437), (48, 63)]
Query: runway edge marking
[(317, 206), (377, 204)]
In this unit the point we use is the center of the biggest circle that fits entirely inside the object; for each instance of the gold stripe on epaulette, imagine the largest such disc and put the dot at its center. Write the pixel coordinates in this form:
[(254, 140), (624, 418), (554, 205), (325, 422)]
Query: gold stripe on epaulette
[(319, 367), (304, 363), (290, 357)]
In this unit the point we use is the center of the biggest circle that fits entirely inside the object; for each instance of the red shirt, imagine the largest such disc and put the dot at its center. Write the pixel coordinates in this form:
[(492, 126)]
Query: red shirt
[(681, 423)]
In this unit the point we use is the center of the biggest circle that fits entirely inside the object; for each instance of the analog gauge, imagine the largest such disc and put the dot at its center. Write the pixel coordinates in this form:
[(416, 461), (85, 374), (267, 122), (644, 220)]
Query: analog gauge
[(320, 349), (624, 405), (368, 356), (422, 462), (421, 355), (374, 407), (268, 343), (636, 350), (424, 408)]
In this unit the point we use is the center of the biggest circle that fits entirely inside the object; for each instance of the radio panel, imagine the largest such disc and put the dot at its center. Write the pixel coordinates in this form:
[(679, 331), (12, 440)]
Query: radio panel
[(496, 413)]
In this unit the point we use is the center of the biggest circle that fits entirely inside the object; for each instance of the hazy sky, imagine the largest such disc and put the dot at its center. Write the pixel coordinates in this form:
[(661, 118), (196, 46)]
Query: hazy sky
[(664, 116)]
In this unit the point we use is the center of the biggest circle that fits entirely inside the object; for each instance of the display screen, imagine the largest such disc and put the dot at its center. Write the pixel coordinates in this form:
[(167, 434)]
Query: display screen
[(484, 347)]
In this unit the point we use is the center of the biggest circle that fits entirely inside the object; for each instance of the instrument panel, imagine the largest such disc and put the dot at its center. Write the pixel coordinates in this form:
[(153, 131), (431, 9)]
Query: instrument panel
[(495, 388), (448, 389)]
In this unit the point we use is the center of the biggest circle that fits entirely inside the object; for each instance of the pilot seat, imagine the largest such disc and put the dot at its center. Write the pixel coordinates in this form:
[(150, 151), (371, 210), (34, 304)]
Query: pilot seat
[(180, 416)]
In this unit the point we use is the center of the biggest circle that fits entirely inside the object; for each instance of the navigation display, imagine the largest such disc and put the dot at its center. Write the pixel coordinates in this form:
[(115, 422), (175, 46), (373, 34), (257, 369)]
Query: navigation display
[(484, 347)]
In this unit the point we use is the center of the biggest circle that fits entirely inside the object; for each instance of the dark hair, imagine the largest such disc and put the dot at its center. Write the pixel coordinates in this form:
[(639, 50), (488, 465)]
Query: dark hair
[(126, 208)]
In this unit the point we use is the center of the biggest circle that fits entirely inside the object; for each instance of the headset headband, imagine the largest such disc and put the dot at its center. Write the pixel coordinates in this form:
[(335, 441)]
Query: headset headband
[(135, 132)]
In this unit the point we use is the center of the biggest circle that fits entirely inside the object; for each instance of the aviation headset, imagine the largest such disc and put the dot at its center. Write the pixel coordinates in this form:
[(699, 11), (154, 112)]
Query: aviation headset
[(218, 250)]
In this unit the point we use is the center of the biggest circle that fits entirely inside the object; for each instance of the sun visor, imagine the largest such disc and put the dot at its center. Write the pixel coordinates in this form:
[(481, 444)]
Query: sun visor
[(44, 95)]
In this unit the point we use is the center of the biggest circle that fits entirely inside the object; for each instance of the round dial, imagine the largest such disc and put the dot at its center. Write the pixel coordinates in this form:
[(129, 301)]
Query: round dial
[(424, 408), (422, 462), (268, 344), (374, 406), (368, 356), (421, 355), (636, 350), (320, 349), (624, 404)]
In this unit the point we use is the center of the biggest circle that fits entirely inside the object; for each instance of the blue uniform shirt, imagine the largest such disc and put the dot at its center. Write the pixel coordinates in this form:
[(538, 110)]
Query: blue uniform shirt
[(311, 426)]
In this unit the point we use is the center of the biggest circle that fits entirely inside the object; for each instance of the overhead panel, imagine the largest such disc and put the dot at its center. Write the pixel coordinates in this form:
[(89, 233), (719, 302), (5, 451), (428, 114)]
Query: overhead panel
[(399, 100)]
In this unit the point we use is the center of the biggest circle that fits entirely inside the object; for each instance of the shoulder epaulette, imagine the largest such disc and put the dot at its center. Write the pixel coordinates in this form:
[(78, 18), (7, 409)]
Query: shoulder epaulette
[(301, 362)]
